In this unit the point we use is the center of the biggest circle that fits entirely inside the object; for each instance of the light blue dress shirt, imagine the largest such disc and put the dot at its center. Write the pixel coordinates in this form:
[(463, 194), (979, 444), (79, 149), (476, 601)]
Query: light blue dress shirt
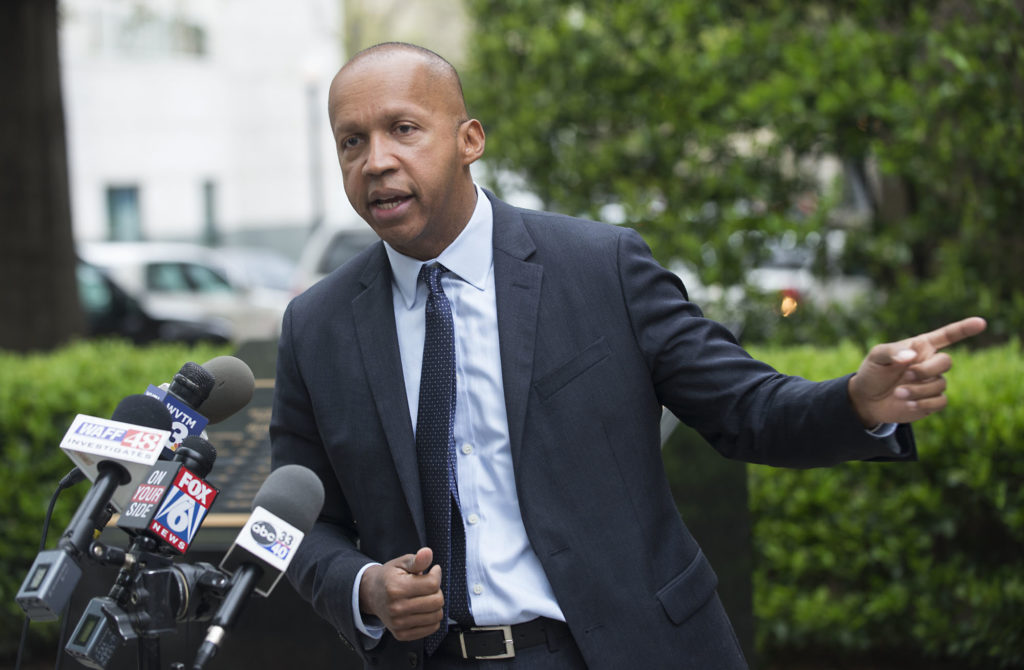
[(505, 581)]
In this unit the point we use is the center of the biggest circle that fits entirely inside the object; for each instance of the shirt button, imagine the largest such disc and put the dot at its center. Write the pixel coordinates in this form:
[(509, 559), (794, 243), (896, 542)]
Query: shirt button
[(467, 448), (478, 588), (473, 519)]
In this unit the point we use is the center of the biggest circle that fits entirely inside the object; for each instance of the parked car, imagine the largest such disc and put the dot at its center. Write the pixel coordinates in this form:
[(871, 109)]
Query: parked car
[(786, 276), (788, 272), (266, 274), (188, 283), (328, 248), (256, 268), (110, 312)]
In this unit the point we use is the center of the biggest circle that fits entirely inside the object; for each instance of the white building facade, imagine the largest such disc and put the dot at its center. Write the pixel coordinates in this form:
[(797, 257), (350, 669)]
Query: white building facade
[(201, 120)]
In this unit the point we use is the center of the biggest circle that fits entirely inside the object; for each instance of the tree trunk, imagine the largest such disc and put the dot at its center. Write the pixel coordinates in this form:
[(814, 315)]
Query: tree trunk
[(39, 304)]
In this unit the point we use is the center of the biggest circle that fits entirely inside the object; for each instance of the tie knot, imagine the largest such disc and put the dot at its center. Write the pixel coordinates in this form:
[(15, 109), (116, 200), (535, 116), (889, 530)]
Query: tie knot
[(431, 276)]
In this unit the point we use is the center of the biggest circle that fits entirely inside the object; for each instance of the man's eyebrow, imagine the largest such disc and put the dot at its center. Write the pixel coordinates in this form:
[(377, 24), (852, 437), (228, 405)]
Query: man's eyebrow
[(389, 114), (343, 128)]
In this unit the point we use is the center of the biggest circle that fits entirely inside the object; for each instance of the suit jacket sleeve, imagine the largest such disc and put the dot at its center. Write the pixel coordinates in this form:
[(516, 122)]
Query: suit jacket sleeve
[(323, 570), (743, 407)]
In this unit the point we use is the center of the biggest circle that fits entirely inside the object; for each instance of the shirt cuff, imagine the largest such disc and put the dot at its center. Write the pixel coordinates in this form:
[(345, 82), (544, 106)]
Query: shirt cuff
[(370, 626), (886, 432), (882, 430)]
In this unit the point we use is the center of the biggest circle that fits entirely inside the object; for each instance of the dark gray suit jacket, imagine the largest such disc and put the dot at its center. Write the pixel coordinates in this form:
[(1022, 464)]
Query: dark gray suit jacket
[(595, 338)]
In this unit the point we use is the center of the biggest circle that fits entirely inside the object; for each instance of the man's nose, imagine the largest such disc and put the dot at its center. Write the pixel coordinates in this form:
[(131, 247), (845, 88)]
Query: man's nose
[(380, 157)]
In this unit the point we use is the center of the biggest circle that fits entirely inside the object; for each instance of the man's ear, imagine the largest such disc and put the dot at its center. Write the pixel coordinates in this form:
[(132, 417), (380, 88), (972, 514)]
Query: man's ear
[(471, 141)]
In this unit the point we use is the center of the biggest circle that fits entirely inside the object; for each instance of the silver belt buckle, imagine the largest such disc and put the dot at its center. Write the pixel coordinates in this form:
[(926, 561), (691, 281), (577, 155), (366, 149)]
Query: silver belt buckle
[(510, 649)]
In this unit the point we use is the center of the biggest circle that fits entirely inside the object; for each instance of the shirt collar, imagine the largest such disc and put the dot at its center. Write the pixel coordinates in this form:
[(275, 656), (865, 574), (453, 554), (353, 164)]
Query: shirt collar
[(469, 256)]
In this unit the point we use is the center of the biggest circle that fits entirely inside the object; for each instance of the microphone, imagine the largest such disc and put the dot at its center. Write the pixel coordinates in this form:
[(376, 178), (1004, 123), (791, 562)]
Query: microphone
[(196, 454), (121, 449), (151, 594), (189, 388), (283, 511), (233, 388), (171, 503), (113, 453)]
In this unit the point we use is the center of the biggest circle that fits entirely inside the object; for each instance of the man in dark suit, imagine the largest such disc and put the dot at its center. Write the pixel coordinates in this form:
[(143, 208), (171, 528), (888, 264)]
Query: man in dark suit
[(566, 545)]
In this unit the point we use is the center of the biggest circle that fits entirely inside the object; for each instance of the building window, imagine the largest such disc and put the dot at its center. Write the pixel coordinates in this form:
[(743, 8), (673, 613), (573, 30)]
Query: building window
[(129, 30), (124, 220), (211, 231)]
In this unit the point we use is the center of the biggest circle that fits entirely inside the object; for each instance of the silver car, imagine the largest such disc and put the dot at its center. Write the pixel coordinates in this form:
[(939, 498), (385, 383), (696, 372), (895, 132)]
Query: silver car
[(183, 281)]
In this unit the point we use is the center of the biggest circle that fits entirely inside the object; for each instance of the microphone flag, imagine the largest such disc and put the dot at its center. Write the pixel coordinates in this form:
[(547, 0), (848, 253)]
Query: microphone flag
[(185, 420), (269, 539), (169, 505), (91, 440)]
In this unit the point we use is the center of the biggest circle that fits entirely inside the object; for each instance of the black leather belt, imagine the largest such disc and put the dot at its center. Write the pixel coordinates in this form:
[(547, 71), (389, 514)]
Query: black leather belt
[(490, 642)]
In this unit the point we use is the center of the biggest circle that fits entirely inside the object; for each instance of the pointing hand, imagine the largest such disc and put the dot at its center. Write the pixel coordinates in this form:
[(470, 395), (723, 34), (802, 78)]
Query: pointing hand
[(899, 382)]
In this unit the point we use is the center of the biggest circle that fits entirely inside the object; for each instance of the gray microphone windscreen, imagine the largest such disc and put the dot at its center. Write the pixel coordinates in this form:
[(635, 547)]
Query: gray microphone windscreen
[(233, 387), (294, 493)]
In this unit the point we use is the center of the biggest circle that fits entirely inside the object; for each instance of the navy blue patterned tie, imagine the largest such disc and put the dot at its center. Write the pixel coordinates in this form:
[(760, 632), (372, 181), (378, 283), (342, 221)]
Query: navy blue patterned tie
[(435, 451)]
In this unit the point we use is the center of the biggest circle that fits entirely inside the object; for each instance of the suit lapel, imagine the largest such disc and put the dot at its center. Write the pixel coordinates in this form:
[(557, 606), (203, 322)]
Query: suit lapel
[(374, 314), (517, 288)]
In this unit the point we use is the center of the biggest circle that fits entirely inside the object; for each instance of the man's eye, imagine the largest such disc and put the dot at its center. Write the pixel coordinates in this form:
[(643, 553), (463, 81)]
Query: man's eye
[(404, 129), (350, 142)]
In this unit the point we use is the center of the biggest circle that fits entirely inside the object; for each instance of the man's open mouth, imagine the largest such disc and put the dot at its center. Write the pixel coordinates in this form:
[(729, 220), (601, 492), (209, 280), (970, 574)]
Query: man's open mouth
[(389, 203)]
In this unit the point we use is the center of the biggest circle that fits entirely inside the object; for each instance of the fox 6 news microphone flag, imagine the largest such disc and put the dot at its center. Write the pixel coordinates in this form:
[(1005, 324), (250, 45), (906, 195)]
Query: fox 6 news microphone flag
[(171, 503)]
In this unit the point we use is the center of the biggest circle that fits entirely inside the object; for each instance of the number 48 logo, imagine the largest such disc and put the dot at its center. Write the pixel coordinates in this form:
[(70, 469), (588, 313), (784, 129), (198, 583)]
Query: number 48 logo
[(142, 440)]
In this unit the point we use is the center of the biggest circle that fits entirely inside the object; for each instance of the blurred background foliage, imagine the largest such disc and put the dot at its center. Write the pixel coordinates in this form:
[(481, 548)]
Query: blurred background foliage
[(868, 565), (886, 137), (717, 128)]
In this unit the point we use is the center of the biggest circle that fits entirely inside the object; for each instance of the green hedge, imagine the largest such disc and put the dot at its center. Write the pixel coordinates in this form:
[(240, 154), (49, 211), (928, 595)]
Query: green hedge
[(922, 560), (39, 396), (914, 561)]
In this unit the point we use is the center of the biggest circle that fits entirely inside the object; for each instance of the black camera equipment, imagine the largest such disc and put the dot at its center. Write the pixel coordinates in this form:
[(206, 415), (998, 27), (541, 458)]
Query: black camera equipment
[(150, 596)]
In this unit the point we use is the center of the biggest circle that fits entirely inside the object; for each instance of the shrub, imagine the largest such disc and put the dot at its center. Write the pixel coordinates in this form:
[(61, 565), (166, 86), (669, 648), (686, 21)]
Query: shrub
[(40, 394), (922, 560), (918, 559)]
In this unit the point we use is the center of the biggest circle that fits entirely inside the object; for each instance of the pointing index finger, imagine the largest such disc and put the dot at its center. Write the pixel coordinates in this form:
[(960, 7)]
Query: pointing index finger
[(954, 332)]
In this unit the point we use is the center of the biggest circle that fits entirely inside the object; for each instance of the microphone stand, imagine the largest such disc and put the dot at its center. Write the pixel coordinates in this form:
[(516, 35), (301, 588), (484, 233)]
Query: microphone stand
[(151, 595), (149, 653)]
